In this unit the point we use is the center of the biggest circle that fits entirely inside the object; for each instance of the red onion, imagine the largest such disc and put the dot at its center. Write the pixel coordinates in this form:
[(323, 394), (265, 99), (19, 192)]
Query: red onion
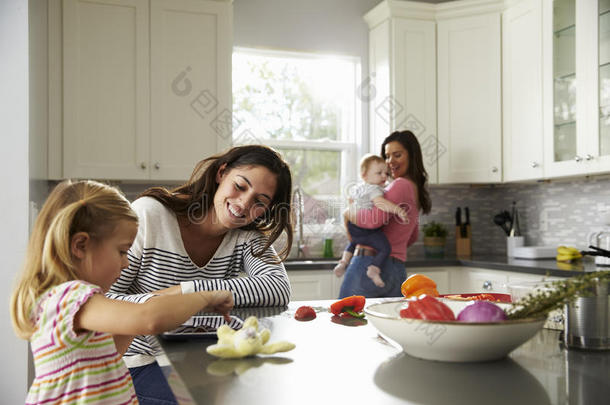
[(482, 311)]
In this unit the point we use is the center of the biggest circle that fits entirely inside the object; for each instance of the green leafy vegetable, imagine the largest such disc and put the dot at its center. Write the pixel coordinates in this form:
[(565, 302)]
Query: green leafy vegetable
[(541, 302)]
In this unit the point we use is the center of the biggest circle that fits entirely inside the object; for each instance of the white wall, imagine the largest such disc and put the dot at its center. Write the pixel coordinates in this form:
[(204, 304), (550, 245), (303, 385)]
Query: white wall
[(14, 198), (333, 26), (326, 26)]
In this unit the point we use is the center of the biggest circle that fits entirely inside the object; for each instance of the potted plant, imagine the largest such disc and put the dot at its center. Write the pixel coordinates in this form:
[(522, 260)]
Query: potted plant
[(435, 235)]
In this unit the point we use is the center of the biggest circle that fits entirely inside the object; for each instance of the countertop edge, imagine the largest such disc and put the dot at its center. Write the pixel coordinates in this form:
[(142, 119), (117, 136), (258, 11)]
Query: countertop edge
[(547, 267)]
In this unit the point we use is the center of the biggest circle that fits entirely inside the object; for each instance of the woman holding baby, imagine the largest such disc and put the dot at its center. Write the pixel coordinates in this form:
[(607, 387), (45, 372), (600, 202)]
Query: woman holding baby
[(408, 189)]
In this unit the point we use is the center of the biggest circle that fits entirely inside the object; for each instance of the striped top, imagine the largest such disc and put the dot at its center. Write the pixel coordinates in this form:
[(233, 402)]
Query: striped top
[(158, 259), (73, 368)]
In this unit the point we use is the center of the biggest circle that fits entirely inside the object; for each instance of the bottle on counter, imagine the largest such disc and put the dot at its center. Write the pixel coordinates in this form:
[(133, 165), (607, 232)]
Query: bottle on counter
[(328, 248)]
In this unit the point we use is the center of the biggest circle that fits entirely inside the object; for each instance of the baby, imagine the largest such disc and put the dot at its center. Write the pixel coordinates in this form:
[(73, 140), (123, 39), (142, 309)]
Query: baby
[(365, 195)]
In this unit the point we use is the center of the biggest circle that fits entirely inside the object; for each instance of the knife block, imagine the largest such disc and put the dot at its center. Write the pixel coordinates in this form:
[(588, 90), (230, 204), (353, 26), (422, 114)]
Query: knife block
[(463, 245)]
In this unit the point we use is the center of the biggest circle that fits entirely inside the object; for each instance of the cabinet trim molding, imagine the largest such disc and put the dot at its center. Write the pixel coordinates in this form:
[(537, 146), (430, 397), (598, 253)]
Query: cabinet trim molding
[(468, 8), (402, 9)]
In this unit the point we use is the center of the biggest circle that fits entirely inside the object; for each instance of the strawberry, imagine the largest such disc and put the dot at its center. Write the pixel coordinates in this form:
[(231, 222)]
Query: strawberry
[(305, 313)]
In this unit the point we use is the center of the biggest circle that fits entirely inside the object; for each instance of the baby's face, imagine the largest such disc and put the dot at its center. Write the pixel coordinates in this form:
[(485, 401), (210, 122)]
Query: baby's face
[(376, 173)]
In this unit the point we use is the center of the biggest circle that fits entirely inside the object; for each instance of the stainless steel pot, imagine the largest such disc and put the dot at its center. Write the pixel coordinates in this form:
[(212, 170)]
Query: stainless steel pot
[(587, 323)]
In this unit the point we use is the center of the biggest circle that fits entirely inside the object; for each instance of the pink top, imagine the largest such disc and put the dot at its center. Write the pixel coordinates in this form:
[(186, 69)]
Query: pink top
[(74, 368), (400, 235)]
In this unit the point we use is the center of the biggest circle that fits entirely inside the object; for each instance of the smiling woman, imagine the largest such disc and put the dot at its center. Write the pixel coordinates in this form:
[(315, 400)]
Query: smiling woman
[(202, 235)]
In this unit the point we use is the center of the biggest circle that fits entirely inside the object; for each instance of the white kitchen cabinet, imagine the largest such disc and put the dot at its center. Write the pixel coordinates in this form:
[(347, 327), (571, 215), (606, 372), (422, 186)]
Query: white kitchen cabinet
[(464, 280), (401, 87), (478, 280), (576, 37), (193, 38), (440, 275), (469, 94), (105, 88), (522, 75), (145, 88), (481, 281), (314, 285)]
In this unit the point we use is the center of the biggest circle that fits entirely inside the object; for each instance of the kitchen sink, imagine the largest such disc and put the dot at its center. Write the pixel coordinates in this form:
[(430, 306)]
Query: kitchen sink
[(310, 263), (310, 259)]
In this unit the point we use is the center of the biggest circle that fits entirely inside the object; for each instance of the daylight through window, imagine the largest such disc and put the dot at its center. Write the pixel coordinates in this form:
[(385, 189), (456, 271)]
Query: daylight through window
[(305, 106)]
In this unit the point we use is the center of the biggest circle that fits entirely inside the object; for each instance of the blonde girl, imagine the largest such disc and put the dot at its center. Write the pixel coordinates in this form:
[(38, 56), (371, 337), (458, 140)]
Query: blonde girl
[(76, 251)]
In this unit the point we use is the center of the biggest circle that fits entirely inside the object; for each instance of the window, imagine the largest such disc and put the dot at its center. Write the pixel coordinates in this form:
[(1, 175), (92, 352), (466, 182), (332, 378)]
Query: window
[(304, 106)]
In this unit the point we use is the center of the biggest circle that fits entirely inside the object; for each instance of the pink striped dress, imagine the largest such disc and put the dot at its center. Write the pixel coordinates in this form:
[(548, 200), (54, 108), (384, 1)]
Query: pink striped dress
[(72, 368)]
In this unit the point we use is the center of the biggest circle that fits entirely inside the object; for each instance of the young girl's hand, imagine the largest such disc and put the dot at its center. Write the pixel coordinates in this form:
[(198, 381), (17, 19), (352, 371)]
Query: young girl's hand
[(220, 301)]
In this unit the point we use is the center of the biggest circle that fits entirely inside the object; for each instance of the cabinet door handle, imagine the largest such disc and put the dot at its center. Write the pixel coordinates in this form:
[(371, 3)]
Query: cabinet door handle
[(494, 169), (535, 165), (589, 157), (487, 285), (157, 165), (143, 165), (578, 159)]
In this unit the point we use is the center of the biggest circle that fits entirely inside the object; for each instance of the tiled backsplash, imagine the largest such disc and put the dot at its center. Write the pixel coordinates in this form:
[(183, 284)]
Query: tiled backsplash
[(550, 213)]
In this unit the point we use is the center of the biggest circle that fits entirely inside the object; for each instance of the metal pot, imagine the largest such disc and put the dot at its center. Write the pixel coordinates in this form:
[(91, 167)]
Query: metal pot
[(587, 323)]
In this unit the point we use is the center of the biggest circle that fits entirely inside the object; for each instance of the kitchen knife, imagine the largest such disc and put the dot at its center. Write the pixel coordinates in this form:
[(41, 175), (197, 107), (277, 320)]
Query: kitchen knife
[(463, 230), (458, 217), (467, 223)]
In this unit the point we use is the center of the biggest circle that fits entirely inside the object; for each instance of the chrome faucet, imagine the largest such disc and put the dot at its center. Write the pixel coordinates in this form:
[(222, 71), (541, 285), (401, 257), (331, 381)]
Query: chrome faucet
[(300, 214)]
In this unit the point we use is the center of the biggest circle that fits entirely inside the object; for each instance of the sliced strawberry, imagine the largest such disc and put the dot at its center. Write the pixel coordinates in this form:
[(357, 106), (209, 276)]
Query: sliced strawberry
[(305, 313)]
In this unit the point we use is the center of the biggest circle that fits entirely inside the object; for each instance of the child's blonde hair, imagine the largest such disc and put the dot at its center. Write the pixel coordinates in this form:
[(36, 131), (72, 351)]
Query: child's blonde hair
[(366, 162), (82, 206)]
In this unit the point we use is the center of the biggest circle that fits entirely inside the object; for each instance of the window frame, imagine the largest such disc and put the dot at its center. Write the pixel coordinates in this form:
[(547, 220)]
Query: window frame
[(349, 148)]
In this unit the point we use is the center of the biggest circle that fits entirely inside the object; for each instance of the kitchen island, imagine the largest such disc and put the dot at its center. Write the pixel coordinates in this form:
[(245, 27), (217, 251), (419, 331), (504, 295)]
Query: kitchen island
[(339, 364)]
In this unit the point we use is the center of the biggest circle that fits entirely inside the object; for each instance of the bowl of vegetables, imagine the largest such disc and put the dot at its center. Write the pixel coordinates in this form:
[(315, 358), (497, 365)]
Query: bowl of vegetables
[(449, 330)]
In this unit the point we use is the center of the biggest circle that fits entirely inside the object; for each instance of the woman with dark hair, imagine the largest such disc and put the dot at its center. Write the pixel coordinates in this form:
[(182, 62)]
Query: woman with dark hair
[(403, 155), (201, 236)]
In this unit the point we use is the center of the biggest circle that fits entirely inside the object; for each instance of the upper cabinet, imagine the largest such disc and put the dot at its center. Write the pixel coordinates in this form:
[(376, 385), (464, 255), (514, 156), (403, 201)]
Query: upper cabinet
[(523, 86), (145, 87), (469, 92), (522, 79), (577, 83), (435, 70), (402, 76)]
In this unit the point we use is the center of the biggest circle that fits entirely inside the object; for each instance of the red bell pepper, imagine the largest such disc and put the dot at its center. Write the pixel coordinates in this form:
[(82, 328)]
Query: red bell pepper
[(349, 305), (428, 308)]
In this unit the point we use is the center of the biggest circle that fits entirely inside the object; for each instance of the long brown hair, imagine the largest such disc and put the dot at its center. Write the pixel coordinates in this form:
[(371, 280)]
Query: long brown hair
[(416, 171), (195, 198), (72, 207)]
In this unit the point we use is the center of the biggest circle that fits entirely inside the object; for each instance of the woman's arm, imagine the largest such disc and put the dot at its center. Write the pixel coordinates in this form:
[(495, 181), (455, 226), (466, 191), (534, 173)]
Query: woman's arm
[(267, 284), (159, 314)]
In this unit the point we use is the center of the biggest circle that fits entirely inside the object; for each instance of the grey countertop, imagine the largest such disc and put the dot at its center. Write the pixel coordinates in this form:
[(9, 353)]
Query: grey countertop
[(338, 364), (546, 267)]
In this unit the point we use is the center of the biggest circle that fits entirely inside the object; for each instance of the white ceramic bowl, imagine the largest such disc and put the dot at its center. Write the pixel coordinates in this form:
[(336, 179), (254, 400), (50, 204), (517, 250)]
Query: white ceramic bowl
[(451, 341)]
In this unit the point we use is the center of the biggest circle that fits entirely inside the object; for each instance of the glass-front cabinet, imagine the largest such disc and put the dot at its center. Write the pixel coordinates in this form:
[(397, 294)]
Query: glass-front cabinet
[(604, 77), (577, 86), (564, 80)]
